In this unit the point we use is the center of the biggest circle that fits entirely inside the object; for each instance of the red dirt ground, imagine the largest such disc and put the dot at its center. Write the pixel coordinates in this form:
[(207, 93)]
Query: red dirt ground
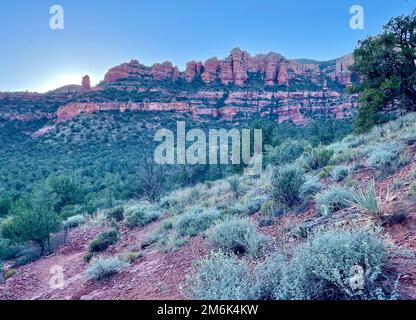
[(159, 275)]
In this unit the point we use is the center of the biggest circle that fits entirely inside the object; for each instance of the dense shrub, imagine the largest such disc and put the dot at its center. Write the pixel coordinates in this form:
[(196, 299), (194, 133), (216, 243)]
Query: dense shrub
[(195, 221), (27, 255), (140, 217), (339, 173), (311, 187), (332, 200), (384, 155), (287, 183), (74, 221), (326, 266), (254, 205), (34, 217), (248, 208), (7, 249), (116, 213), (318, 157), (103, 241), (286, 152), (269, 276), (132, 256), (103, 268), (237, 236), (220, 277), (5, 205)]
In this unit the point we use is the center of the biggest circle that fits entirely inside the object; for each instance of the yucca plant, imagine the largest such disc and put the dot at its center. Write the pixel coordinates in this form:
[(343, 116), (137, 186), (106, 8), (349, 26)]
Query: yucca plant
[(367, 200), (235, 186)]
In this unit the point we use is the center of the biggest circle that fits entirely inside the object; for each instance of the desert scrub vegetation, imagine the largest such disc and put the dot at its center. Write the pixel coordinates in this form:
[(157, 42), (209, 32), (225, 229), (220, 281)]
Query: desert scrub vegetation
[(171, 234), (245, 207), (103, 240), (339, 173), (74, 221), (132, 256), (322, 268), (103, 268), (332, 200), (317, 158), (367, 200), (116, 213), (235, 186), (286, 152), (269, 274), (195, 221), (140, 215), (287, 182), (383, 148), (383, 156), (220, 277), (311, 187), (237, 236)]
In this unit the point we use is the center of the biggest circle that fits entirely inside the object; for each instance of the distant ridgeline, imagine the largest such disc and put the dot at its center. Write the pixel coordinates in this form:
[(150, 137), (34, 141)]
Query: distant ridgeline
[(99, 131), (238, 87)]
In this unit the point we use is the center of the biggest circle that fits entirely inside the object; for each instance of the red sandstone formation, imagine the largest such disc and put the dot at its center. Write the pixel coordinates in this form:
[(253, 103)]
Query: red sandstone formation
[(42, 131), (226, 104), (125, 70), (342, 72), (291, 113), (193, 69), (164, 71), (86, 84), (210, 70), (287, 105), (236, 69)]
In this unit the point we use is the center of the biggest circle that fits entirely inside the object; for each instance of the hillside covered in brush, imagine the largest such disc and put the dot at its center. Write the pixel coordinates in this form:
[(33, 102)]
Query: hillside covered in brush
[(330, 217), (352, 202)]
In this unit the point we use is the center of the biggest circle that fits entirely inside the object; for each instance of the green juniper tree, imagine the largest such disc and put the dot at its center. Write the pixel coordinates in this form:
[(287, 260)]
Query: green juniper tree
[(387, 69), (34, 217)]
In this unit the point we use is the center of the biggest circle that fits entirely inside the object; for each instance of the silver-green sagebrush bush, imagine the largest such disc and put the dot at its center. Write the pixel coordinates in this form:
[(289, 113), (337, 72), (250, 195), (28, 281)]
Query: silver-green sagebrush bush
[(195, 221), (73, 221), (331, 265), (237, 236), (220, 277), (311, 187), (103, 240), (140, 217), (339, 173), (384, 155), (284, 153), (333, 199), (337, 265), (269, 276), (103, 268), (245, 208)]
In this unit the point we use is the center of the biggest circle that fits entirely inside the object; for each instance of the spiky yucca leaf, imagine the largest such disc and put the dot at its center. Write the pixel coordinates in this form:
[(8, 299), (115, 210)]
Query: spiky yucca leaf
[(367, 200)]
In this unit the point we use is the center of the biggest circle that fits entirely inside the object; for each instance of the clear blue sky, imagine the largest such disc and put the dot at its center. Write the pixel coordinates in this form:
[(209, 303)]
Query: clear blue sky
[(101, 34)]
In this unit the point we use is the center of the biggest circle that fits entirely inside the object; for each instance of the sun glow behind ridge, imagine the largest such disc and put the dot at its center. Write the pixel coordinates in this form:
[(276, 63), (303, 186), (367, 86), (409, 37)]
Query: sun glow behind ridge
[(65, 79)]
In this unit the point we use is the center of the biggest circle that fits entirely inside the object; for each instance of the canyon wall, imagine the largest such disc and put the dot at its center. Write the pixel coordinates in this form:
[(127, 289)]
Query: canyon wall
[(236, 88), (237, 68)]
